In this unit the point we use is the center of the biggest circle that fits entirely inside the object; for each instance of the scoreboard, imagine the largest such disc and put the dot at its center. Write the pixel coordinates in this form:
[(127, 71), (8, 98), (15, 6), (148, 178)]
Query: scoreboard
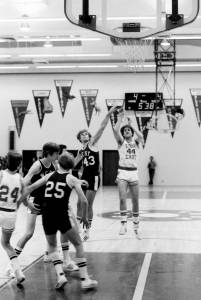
[(144, 101)]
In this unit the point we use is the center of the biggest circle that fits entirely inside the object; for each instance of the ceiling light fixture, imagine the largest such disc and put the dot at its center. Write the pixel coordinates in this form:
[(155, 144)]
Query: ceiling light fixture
[(165, 43), (48, 43), (30, 6), (24, 26)]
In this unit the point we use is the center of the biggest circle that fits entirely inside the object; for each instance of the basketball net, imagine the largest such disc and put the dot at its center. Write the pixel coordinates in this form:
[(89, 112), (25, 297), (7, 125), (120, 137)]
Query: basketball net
[(134, 51)]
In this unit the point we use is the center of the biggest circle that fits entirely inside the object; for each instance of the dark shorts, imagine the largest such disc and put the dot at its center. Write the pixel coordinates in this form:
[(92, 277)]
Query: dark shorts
[(93, 181), (54, 221)]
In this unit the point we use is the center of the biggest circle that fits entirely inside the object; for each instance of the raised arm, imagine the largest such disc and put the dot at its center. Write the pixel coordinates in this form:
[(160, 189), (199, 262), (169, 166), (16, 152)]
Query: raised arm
[(98, 134), (140, 138), (117, 133)]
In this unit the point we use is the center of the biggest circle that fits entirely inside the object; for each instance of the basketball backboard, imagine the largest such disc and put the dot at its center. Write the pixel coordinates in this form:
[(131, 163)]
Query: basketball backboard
[(131, 18)]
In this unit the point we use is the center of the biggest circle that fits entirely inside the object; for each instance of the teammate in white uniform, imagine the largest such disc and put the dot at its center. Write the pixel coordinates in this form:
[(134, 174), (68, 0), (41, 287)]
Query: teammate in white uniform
[(11, 186), (127, 176)]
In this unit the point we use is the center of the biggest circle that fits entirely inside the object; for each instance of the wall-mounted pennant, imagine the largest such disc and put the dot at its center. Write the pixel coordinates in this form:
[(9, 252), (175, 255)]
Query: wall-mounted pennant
[(114, 116), (41, 98), (88, 100), (196, 97), (63, 88), (19, 108)]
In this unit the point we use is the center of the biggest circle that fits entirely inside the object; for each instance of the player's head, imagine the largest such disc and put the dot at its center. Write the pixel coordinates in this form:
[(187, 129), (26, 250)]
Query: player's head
[(14, 160), (62, 148), (127, 131), (66, 161), (51, 149), (83, 135)]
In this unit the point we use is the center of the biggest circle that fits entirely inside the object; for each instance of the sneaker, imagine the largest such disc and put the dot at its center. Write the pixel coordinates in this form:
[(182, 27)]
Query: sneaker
[(123, 229), (9, 272), (88, 284), (85, 235), (70, 267), (138, 236), (61, 282), (46, 258), (19, 276)]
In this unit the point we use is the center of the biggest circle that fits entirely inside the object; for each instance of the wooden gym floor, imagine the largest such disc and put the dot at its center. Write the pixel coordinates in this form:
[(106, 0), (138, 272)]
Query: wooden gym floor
[(164, 265)]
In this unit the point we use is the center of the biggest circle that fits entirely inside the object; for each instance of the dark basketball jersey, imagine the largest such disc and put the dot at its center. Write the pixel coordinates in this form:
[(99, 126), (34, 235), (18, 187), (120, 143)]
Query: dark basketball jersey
[(90, 161), (57, 193), (39, 193)]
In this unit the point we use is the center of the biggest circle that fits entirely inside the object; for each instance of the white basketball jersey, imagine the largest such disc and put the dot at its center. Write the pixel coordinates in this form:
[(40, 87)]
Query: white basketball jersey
[(10, 190), (128, 154)]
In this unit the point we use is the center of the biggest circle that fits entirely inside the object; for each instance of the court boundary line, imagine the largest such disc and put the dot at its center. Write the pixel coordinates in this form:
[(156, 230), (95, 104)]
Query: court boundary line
[(140, 286), (10, 280)]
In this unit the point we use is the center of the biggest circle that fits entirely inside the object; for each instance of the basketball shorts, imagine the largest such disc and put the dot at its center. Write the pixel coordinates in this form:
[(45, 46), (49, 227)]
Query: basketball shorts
[(129, 176), (93, 181), (56, 220), (8, 220)]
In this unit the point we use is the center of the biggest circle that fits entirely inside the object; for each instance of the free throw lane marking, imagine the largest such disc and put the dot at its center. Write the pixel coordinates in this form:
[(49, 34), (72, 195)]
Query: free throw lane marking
[(139, 289)]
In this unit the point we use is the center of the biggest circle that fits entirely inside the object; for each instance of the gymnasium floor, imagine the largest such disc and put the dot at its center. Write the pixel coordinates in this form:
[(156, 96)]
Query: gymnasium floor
[(164, 265)]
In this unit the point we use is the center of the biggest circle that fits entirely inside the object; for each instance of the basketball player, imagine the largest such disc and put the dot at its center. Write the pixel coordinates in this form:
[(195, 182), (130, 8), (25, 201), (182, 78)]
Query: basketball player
[(58, 186), (39, 169), (89, 155), (127, 176), (11, 186)]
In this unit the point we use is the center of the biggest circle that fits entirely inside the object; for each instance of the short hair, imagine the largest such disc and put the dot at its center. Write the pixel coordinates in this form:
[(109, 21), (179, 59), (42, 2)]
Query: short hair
[(81, 132), (66, 161), (50, 148), (14, 160), (61, 148), (126, 126)]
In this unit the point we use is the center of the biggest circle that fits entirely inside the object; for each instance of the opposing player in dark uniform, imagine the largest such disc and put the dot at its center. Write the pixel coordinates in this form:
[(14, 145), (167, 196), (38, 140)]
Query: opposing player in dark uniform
[(55, 216), (89, 155), (39, 169)]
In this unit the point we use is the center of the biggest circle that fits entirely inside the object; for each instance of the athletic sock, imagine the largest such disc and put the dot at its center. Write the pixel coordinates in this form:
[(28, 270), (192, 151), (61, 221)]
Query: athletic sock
[(57, 262), (123, 215), (65, 251), (82, 264), (18, 250)]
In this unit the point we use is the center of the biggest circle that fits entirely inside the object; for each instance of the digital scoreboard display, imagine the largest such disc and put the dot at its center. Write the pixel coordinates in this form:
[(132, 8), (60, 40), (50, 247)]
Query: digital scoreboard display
[(144, 101)]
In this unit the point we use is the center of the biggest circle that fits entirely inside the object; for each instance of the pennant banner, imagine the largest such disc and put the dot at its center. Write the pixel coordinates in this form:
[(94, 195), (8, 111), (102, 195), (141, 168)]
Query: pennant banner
[(41, 97), (196, 97), (63, 88), (19, 108), (114, 102), (88, 100)]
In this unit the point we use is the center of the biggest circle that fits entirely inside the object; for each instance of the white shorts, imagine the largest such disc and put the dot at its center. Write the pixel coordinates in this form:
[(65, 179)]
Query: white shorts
[(129, 176), (7, 220)]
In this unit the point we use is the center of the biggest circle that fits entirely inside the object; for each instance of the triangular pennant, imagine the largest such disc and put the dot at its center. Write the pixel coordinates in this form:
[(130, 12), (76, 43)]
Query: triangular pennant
[(114, 102), (88, 100), (63, 88), (40, 96), (19, 111), (196, 97), (142, 122)]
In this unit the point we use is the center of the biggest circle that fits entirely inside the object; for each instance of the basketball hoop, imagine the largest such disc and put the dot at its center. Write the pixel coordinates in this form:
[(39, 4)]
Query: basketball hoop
[(134, 51)]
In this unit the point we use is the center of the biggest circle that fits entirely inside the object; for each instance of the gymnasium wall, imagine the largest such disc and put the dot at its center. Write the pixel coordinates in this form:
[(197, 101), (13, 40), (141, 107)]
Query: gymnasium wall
[(178, 158)]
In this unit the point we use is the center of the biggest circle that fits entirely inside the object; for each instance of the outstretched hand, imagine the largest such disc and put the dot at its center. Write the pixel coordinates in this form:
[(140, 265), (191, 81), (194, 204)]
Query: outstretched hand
[(84, 183)]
